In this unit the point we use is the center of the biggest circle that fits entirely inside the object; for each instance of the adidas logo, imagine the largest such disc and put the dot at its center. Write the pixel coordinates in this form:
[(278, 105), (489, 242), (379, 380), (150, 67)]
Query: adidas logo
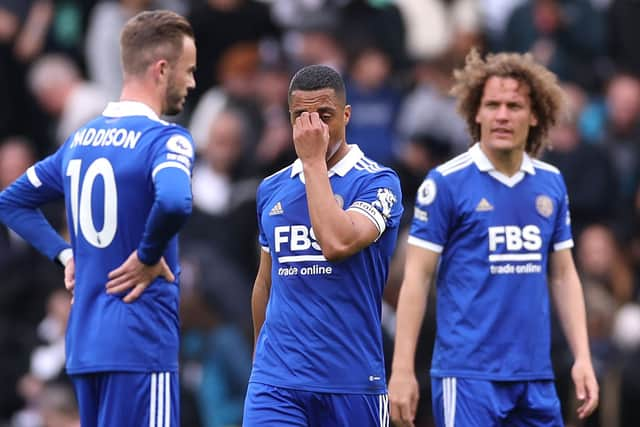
[(484, 206), (276, 209)]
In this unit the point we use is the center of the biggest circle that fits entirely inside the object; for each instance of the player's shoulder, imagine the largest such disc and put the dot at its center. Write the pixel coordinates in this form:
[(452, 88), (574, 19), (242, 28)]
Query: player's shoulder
[(451, 168), (545, 167), (276, 178)]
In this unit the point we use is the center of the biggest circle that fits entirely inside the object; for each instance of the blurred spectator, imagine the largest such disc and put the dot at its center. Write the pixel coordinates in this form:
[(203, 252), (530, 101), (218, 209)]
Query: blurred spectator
[(622, 132), (27, 279), (495, 14), (600, 258), (429, 109), (316, 46), (236, 72), (375, 103), (224, 213), (374, 21), (624, 16), (275, 146), (594, 195), (554, 31), (420, 154), (60, 89), (215, 354), (102, 43), (218, 24), (437, 26)]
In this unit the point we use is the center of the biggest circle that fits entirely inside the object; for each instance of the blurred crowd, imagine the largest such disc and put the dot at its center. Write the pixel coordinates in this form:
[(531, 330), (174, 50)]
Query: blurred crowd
[(59, 66)]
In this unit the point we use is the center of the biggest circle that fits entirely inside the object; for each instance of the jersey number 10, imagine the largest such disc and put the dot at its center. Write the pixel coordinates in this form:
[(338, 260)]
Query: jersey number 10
[(81, 195)]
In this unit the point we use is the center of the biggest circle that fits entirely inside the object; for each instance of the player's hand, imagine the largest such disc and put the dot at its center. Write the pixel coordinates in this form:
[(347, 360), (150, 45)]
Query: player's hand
[(310, 137), (586, 387), (135, 275), (403, 398), (70, 277)]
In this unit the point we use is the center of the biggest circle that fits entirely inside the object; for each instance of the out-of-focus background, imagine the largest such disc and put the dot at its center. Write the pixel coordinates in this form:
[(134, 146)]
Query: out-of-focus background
[(59, 65)]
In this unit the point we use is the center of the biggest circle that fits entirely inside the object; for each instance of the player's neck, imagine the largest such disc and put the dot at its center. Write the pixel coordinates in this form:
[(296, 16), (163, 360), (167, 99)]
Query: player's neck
[(136, 91), (342, 151), (507, 162)]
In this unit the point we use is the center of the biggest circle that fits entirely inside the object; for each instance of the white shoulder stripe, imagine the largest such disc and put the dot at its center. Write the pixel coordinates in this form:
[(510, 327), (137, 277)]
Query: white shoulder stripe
[(457, 167), (367, 166), (539, 164), (165, 165), (33, 177), (453, 163)]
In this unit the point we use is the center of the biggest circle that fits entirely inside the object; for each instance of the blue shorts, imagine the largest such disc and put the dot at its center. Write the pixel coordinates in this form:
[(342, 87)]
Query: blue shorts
[(271, 406), (482, 403), (128, 399)]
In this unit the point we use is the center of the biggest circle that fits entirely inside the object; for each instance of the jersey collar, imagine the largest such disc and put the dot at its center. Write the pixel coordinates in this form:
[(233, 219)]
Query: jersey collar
[(341, 168), (129, 108), (484, 165)]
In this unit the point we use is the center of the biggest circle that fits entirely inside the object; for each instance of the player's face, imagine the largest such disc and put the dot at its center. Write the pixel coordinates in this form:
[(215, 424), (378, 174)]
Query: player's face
[(181, 79), (505, 114), (331, 109)]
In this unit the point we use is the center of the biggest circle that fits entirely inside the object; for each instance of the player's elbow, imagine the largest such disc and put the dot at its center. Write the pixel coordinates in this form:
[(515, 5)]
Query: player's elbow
[(176, 207), (336, 251)]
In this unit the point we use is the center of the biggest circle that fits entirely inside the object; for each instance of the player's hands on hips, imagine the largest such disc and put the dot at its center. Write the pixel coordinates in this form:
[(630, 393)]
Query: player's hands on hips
[(133, 274), (310, 137), (403, 398), (70, 276), (586, 387)]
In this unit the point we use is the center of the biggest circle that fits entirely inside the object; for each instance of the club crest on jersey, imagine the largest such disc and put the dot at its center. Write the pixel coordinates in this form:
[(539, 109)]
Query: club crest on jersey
[(544, 206), (339, 200), (427, 192), (385, 201), (180, 145)]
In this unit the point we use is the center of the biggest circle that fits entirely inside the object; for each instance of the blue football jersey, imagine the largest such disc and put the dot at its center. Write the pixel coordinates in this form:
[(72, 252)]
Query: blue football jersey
[(106, 171), (322, 330), (494, 234)]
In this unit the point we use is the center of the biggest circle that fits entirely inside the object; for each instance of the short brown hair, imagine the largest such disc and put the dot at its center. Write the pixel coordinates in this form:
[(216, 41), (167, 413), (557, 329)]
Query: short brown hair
[(547, 98), (150, 36)]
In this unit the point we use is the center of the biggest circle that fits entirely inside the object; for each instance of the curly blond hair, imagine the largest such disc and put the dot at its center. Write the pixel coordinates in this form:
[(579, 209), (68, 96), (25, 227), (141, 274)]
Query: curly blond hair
[(547, 98)]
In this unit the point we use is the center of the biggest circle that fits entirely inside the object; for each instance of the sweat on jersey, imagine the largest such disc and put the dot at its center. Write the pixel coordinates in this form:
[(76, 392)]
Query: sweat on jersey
[(125, 178), (494, 234), (322, 330)]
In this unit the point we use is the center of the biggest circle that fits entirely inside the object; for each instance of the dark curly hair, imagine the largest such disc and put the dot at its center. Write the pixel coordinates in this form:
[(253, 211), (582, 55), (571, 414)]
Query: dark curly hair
[(547, 98)]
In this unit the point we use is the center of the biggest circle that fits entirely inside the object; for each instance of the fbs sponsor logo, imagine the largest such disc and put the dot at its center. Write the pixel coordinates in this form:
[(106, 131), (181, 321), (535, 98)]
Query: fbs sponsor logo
[(484, 206), (276, 209)]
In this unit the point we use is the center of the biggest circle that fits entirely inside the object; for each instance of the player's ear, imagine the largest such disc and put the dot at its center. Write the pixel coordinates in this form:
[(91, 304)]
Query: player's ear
[(161, 69), (533, 120), (347, 114)]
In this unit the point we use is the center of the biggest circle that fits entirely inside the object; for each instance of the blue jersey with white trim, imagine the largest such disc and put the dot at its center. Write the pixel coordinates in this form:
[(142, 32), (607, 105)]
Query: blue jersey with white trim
[(107, 171), (322, 330), (494, 234)]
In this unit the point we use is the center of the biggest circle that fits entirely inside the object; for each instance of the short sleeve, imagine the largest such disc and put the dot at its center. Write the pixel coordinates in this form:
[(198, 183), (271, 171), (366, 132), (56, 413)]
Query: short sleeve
[(562, 236), (175, 149), (433, 214)]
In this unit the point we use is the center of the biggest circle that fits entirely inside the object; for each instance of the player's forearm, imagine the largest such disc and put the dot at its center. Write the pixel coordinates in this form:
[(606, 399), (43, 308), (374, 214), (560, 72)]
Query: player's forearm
[(412, 304), (332, 226), (569, 301), (259, 299), (30, 224)]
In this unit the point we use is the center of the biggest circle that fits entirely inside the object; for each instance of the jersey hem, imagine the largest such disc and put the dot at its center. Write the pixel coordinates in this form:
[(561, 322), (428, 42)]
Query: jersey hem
[(534, 376), (320, 389), (122, 368)]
